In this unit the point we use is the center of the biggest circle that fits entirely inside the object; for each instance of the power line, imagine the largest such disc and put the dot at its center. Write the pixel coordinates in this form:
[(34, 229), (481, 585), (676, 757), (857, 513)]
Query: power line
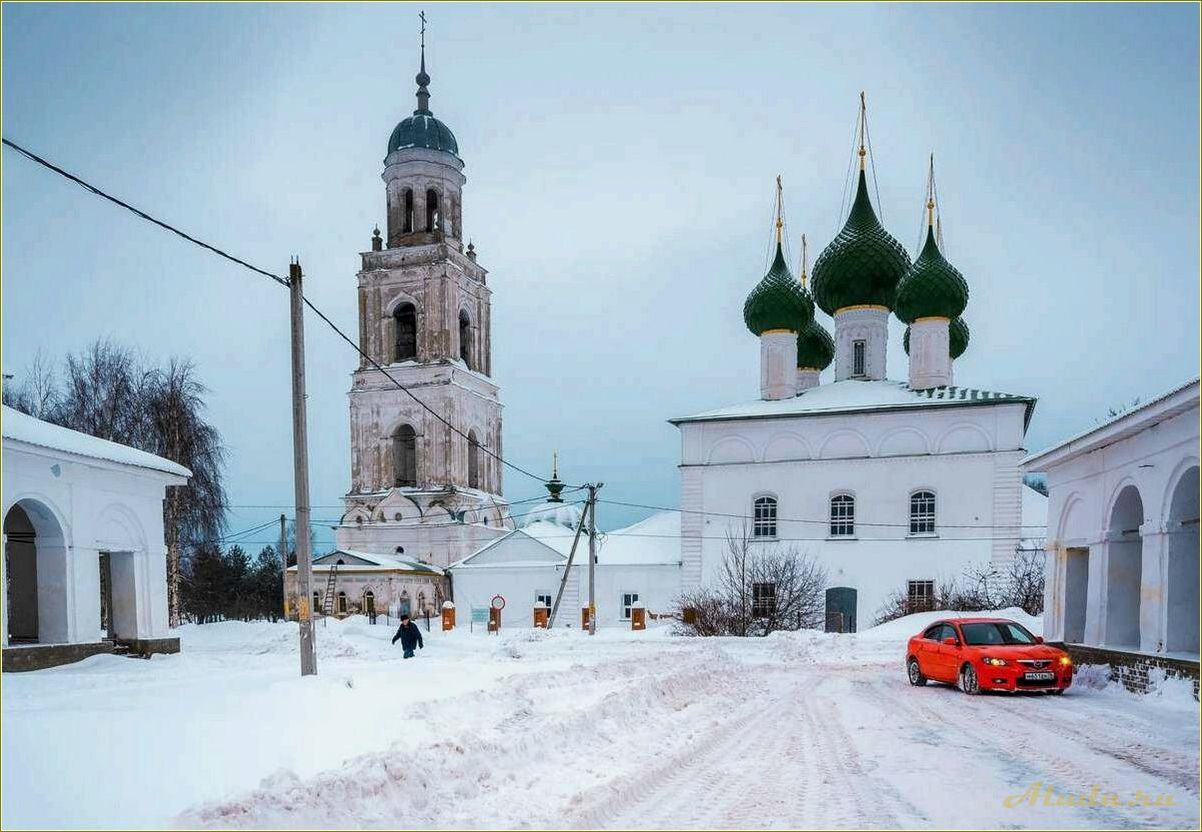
[(277, 278), (826, 520)]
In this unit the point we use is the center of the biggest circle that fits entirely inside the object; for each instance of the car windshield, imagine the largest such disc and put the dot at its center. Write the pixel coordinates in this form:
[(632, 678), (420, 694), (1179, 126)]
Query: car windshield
[(996, 632)]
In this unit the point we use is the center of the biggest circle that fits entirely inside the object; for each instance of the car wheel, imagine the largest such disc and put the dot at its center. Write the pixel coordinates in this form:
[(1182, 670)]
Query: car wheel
[(1056, 691), (968, 680), (915, 674)]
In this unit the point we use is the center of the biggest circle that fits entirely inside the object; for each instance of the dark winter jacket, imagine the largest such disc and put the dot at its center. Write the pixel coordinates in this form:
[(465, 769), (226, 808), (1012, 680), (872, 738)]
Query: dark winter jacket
[(409, 635)]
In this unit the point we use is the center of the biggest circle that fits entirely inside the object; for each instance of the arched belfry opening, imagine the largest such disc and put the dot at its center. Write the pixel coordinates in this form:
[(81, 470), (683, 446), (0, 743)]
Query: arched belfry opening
[(1182, 631), (405, 324), (433, 212), (473, 460), (35, 559), (407, 212), (404, 457), (1124, 574), (465, 339)]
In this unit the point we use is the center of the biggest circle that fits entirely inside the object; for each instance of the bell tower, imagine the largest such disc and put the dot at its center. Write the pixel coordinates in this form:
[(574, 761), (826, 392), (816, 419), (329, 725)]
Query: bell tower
[(426, 478)]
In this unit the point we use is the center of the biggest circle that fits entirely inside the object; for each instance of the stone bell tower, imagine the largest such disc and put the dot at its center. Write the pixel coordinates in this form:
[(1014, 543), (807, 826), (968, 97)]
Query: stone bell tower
[(420, 488)]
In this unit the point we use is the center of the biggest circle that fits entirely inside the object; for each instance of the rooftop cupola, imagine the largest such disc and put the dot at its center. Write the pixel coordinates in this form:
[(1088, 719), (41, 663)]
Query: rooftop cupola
[(855, 280), (815, 347), (931, 295), (775, 310)]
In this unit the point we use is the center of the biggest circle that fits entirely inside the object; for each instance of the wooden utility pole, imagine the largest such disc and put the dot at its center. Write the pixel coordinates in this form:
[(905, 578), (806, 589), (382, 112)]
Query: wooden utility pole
[(284, 561), (592, 557), (300, 454)]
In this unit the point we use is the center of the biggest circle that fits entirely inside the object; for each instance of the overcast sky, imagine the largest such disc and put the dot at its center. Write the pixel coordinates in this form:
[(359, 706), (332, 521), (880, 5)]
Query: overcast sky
[(620, 165)]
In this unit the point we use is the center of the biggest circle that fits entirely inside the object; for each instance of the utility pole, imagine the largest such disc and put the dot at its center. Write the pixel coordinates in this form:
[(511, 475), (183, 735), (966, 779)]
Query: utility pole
[(300, 454), (284, 561), (592, 557)]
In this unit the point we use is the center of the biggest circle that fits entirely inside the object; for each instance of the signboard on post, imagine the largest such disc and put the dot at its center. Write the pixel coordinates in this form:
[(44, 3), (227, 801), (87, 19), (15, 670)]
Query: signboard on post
[(479, 616)]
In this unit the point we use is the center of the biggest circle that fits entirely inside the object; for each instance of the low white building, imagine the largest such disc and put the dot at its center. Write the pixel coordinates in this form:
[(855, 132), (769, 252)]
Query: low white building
[(369, 584), (1122, 569), (84, 559), (637, 565)]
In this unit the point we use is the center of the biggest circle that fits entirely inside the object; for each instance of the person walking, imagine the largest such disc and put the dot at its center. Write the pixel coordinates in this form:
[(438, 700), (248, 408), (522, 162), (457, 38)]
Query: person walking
[(409, 635)]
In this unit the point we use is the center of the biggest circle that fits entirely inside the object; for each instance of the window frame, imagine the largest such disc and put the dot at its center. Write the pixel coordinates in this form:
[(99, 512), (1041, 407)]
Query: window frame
[(859, 357), (404, 476), (540, 595), (843, 526), (927, 585), (404, 310), (341, 604), (923, 522), (763, 599), (628, 600), (764, 528)]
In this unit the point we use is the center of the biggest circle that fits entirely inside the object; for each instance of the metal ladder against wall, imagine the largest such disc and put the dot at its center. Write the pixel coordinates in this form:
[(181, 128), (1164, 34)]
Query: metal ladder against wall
[(327, 605)]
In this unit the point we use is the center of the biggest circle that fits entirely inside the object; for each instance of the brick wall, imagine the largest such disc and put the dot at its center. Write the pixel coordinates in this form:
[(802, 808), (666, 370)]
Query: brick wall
[(1132, 668)]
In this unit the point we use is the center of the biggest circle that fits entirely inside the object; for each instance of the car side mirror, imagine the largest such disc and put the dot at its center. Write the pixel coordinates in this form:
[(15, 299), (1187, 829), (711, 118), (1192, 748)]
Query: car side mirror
[(1039, 639), (950, 641)]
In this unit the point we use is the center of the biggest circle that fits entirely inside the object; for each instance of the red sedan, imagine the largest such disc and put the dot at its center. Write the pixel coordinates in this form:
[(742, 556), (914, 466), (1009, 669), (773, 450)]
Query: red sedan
[(986, 654)]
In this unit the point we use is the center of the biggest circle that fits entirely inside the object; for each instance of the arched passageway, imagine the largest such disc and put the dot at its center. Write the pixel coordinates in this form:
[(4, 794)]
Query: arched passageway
[(1182, 629), (1124, 575), (35, 559)]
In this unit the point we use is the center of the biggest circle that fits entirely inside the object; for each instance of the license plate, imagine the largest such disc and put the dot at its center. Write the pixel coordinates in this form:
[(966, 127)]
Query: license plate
[(1043, 676)]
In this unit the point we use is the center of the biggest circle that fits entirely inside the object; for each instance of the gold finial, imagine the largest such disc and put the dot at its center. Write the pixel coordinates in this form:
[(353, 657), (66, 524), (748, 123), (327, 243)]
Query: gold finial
[(555, 465), (863, 118), (804, 264), (931, 192), (780, 201)]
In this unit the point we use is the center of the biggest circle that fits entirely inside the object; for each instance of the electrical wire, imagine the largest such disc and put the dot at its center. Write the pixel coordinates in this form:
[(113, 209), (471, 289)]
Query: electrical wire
[(277, 278)]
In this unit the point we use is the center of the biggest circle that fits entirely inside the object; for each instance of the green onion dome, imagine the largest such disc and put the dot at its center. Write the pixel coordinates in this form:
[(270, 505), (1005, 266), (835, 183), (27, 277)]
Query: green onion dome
[(815, 347), (957, 336), (777, 301), (933, 288), (863, 264)]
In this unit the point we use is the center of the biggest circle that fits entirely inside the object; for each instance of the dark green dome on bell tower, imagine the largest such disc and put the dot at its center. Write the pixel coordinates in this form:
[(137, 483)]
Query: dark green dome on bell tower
[(777, 302), (933, 287), (422, 129)]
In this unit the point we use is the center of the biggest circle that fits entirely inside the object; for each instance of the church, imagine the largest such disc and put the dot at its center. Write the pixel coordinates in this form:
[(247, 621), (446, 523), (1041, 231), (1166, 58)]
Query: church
[(425, 480), (891, 485)]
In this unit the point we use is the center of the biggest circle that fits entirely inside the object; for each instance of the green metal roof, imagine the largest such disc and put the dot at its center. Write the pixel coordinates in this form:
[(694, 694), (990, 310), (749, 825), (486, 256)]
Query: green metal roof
[(863, 264), (932, 287), (815, 347), (776, 302), (422, 129)]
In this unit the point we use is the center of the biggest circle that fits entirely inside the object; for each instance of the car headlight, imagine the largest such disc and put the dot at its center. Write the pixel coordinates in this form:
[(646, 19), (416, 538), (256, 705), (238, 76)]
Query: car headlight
[(1065, 661), (989, 660)]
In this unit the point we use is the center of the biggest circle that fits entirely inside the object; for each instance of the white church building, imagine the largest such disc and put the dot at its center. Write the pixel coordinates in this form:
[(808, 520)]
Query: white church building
[(891, 485), (85, 563)]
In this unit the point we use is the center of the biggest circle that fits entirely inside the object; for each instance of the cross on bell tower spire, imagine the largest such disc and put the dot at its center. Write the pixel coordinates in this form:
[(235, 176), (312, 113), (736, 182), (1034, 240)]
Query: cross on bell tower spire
[(423, 79)]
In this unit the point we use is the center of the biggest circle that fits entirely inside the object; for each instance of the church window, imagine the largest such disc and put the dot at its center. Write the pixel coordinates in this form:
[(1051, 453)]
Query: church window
[(629, 599), (857, 358), (465, 338), (543, 598), (404, 457), (406, 332), (920, 597), (473, 460), (341, 602), (922, 512), (407, 219), (763, 599), (764, 517), (433, 217), (369, 602), (843, 515), (316, 603)]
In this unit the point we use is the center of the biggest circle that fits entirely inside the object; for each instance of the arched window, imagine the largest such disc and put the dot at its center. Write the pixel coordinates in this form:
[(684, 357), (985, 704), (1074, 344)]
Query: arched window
[(764, 517), (922, 512), (473, 460), (433, 217), (421, 603), (407, 218), (405, 317), (341, 602), (369, 602), (316, 603), (404, 457), (843, 515), (465, 338)]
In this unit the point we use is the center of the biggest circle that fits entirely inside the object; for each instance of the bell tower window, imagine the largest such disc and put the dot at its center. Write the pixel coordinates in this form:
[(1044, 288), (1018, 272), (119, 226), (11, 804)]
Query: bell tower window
[(405, 319), (407, 217), (433, 215), (404, 457), (473, 460), (465, 338), (857, 358)]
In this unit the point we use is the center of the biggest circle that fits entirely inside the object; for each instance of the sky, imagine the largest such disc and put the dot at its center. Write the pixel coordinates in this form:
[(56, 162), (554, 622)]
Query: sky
[(620, 163)]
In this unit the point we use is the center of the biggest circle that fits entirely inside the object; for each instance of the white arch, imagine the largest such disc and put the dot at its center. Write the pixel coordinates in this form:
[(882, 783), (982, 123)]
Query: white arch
[(1180, 470), (787, 445), (52, 590), (978, 443), (120, 530), (844, 443), (1112, 501), (894, 443), (1070, 514), (731, 449), (402, 297)]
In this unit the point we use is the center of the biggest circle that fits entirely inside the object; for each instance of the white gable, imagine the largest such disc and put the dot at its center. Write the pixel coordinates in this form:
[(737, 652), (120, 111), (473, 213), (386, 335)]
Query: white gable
[(514, 549)]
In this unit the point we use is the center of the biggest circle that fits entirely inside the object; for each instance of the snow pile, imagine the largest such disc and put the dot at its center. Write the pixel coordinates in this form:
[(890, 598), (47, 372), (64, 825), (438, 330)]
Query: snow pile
[(558, 514)]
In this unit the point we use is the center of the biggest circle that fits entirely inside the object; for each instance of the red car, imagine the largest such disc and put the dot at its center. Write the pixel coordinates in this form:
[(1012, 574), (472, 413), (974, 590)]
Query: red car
[(986, 654)]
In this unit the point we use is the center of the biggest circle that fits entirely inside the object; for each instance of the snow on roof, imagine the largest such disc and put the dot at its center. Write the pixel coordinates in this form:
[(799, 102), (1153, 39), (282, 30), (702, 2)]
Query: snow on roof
[(21, 427), (653, 540), (374, 561), (561, 514), (859, 395), (556, 535)]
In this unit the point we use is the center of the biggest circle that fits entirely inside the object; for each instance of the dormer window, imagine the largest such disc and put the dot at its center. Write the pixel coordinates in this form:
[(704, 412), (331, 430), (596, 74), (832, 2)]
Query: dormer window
[(857, 358)]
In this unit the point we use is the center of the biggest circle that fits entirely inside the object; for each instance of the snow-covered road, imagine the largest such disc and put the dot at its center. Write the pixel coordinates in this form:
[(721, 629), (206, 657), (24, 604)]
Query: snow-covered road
[(620, 731)]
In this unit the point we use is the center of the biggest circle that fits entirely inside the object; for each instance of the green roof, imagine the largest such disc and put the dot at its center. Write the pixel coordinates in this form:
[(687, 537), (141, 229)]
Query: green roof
[(932, 287), (422, 129), (863, 264), (777, 301), (815, 347), (957, 335)]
